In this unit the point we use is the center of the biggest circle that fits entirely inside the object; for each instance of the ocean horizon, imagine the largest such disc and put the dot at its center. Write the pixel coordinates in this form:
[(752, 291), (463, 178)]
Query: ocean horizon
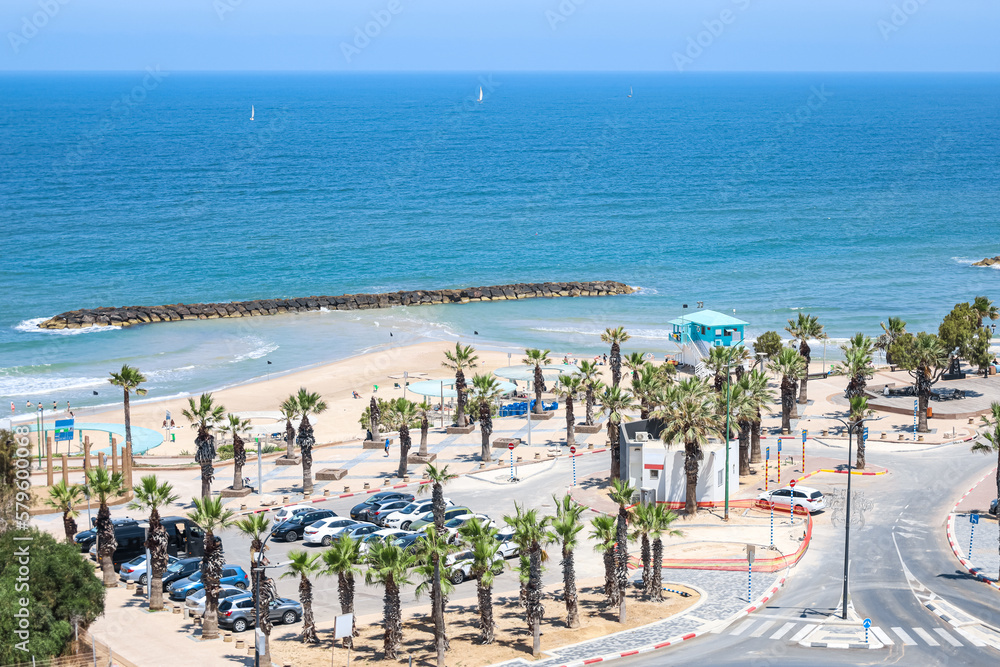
[(853, 197)]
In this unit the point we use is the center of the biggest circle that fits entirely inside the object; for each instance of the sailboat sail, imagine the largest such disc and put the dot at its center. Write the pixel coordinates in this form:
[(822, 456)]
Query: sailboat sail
[(251, 112), (480, 94)]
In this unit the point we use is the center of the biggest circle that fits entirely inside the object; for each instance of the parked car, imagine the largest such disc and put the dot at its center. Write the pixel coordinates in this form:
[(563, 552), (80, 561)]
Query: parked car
[(86, 538), (326, 530), (363, 511), (182, 569), (237, 613), (451, 526), (292, 529), (285, 513), (807, 498), (136, 570), (993, 507), (378, 516), (360, 530), (232, 575), (460, 566), (508, 547), (412, 512), (196, 601), (387, 534), (407, 542), (449, 513)]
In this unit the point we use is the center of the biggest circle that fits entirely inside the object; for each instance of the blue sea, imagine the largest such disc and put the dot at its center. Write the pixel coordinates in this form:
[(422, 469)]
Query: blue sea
[(851, 197)]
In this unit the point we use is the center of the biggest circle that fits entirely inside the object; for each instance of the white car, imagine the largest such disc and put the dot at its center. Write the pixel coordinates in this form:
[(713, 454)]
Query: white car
[(387, 534), (803, 497), (196, 601), (452, 525), (412, 512), (360, 531), (285, 513), (508, 547), (326, 531), (460, 565)]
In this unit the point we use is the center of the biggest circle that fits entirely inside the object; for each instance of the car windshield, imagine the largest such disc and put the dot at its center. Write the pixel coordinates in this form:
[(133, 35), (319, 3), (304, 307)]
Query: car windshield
[(197, 595), (138, 560), (410, 508), (816, 495), (176, 567), (195, 577), (454, 523)]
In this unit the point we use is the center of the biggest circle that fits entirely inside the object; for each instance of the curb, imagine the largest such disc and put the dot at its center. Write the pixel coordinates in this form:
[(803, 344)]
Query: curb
[(953, 542)]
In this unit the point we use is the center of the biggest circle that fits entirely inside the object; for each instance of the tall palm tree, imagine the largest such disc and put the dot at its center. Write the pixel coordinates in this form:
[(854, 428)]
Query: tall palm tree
[(486, 561), (991, 439), (615, 337), (569, 388), (743, 411), (531, 533), (803, 329), (590, 380), (603, 534), (424, 412), (342, 560), (925, 359), (236, 426), (719, 361), (891, 332), (211, 517), (128, 378), (642, 525), (621, 493), (104, 485), (432, 549), (150, 494), (615, 403), (462, 359), (403, 412), (255, 526), (739, 356), (204, 416), (389, 567), (310, 403), (537, 358), (633, 361), (64, 498), (857, 364), (566, 526), (375, 417), (485, 390), (303, 566), (762, 397), (662, 521), (290, 410), (791, 366), (984, 308), (690, 420), (438, 478), (859, 410), (647, 381)]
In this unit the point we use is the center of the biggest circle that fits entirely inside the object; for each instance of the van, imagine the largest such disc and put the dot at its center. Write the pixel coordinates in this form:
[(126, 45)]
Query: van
[(184, 539)]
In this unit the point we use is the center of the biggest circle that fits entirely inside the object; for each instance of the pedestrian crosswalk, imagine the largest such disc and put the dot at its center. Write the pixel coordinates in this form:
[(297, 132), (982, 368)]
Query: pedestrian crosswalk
[(797, 631)]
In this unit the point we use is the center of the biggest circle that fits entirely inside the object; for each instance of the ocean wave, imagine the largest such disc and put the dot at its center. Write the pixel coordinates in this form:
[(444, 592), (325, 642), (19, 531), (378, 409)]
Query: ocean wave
[(646, 334), (168, 373), (31, 326), (262, 348), (33, 385), (966, 261)]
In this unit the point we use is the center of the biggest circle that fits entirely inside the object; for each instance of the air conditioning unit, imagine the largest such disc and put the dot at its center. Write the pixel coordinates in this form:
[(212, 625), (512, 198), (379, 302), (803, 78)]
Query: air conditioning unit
[(647, 496), (641, 436)]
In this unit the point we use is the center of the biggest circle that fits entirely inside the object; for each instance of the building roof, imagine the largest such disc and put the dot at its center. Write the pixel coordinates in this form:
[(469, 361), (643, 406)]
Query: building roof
[(709, 318)]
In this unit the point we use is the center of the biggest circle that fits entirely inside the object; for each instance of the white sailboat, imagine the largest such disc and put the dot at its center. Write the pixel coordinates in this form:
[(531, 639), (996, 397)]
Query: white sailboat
[(480, 100), (630, 91), (251, 112)]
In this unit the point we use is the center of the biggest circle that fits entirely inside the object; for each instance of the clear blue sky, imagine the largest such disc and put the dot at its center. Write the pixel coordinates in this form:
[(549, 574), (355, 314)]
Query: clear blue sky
[(488, 35)]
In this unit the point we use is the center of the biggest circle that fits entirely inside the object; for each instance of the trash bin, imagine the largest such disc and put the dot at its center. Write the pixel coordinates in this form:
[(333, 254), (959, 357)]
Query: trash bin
[(930, 412)]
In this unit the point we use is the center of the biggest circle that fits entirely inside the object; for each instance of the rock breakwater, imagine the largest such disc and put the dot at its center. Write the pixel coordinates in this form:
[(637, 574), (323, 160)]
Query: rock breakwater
[(132, 315)]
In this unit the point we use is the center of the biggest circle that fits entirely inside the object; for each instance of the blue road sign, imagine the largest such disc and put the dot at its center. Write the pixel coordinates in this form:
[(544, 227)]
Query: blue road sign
[(973, 518), (867, 623), (779, 446), (64, 429)]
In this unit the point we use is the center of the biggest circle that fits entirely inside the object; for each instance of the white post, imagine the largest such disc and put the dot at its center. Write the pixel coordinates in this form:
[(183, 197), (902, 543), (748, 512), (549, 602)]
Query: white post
[(149, 567), (528, 414), (442, 403), (824, 357), (260, 480)]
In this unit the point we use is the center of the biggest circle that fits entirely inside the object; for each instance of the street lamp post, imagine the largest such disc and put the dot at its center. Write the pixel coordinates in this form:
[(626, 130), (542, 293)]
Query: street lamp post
[(729, 391)]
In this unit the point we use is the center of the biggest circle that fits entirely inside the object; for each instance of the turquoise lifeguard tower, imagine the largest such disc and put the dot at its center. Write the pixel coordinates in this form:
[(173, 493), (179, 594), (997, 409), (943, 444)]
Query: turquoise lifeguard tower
[(702, 330)]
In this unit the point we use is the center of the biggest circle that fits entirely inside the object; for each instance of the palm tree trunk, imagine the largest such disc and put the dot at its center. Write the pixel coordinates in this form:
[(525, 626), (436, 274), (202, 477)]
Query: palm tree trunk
[(393, 620), (922, 400), (616, 454), (308, 621), (211, 568), (486, 625), (424, 426), (657, 584), (589, 421), (485, 430), (106, 545), (534, 598), (438, 600), (744, 427), (616, 364), (610, 582), (460, 400), (69, 527), (804, 382), (345, 591), (859, 460), (156, 592), (647, 573), (539, 386), (755, 440), (691, 471), (570, 423), (128, 419), (290, 439), (621, 560), (237, 477), (404, 449), (787, 405), (206, 481), (569, 589)]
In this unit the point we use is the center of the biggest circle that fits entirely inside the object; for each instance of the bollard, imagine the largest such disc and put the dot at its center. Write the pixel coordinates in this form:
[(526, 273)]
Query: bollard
[(367, 486), (177, 609), (538, 455), (240, 643), (920, 438), (406, 478), (882, 435), (243, 506), (284, 499), (306, 496), (972, 420), (186, 612), (590, 445), (901, 436), (482, 464), (825, 432), (347, 489), (326, 493), (130, 586), (385, 482), (228, 637)]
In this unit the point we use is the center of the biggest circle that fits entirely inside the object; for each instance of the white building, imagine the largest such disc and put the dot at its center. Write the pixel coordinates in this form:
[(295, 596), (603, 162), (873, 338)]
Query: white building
[(652, 467)]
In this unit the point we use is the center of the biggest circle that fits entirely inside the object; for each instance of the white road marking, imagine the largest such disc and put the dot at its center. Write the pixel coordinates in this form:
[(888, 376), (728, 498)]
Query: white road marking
[(948, 638), (906, 639), (802, 633), (783, 631), (743, 627), (974, 640), (762, 628), (926, 636), (882, 635)]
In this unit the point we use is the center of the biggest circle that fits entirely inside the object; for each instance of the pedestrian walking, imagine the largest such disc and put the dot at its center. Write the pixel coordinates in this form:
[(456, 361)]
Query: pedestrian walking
[(387, 447)]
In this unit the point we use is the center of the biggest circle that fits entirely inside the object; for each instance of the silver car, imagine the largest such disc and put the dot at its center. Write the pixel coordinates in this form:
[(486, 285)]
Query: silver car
[(195, 602), (136, 571), (238, 612)]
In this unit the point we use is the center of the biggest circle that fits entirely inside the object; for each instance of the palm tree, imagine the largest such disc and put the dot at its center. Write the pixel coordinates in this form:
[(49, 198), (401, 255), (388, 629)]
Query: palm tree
[(128, 378), (925, 359), (718, 361), (432, 549), (211, 517), (791, 366), (806, 327), (890, 334), (64, 497), (537, 358), (633, 361), (857, 364), (463, 358), (762, 397), (255, 526), (984, 308), (236, 426), (590, 380), (615, 337), (615, 402), (424, 412), (690, 419), (204, 416), (531, 533), (303, 566), (567, 526), (486, 561), (151, 494), (991, 437), (389, 567), (342, 560), (309, 403), (642, 525), (105, 485), (290, 410), (739, 356), (403, 412), (438, 478), (485, 390), (743, 411), (603, 534), (568, 389), (859, 410), (621, 493), (647, 382), (662, 521), (375, 417)]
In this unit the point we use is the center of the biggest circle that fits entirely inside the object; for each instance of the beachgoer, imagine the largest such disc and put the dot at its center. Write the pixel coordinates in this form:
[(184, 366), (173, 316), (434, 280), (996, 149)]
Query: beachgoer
[(374, 388), (12, 408), (28, 406), (67, 406), (71, 414), (55, 406), (172, 425), (368, 435), (387, 447), (604, 363), (39, 405)]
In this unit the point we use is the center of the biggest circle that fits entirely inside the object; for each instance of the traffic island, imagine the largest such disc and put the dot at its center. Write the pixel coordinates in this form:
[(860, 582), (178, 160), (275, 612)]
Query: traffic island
[(542, 417), (331, 474), (505, 443), (230, 492), (461, 430), (419, 459), (287, 461), (589, 430)]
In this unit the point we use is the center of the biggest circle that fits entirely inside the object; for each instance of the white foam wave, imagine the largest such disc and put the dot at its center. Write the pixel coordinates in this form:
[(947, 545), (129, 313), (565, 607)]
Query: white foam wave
[(31, 326), (33, 385), (263, 348), (648, 334), (964, 260)]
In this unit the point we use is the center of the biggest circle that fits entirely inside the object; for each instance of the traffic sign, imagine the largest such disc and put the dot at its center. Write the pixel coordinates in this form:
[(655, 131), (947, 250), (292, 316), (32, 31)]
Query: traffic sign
[(792, 484), (510, 446), (572, 450), (751, 553), (973, 518), (867, 623), (64, 429)]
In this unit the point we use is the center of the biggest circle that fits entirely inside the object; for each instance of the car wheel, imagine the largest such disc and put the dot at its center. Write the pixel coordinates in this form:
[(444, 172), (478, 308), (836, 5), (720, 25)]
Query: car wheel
[(457, 577), (143, 579), (405, 525), (289, 617), (242, 586), (239, 625), (291, 536), (326, 541)]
